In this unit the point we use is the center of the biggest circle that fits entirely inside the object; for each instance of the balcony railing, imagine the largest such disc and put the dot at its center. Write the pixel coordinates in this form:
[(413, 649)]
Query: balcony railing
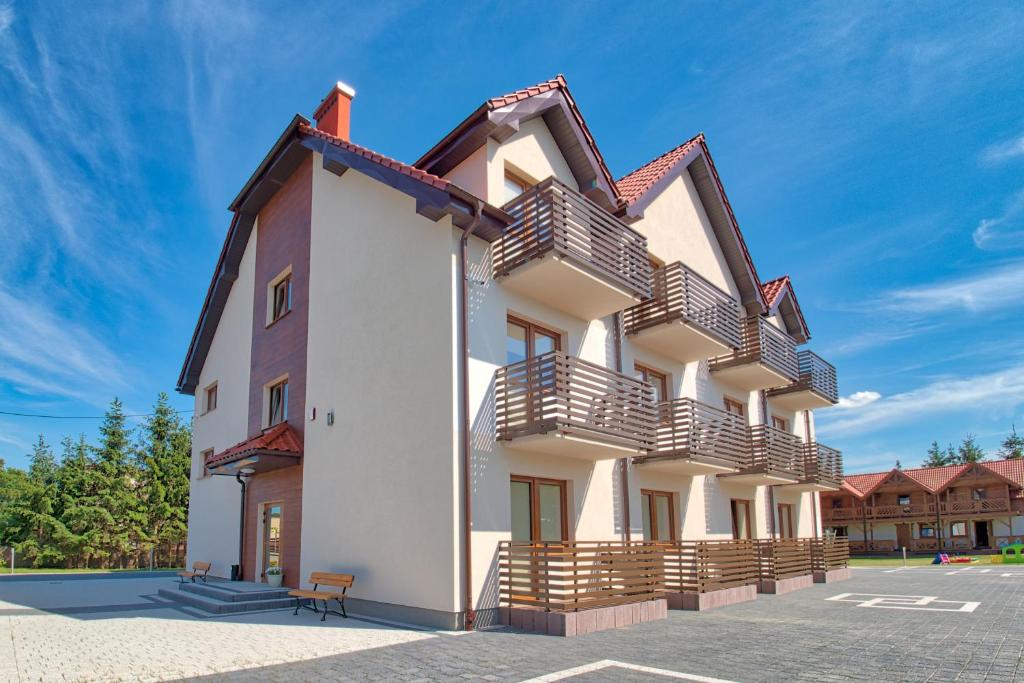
[(775, 451), (948, 509), (572, 576), (955, 505), (762, 344), (705, 566), (551, 217), (554, 392), (691, 429), (823, 465), (680, 294), (784, 558), (830, 553), (816, 375)]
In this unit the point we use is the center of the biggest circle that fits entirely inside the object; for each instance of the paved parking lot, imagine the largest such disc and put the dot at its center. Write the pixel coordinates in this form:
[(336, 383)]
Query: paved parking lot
[(920, 624)]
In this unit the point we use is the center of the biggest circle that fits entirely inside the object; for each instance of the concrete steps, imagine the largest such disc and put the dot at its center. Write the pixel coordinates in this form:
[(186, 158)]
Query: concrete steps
[(228, 597)]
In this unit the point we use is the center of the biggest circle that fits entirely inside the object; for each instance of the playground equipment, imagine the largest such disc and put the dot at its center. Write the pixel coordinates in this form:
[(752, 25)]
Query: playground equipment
[(1013, 554)]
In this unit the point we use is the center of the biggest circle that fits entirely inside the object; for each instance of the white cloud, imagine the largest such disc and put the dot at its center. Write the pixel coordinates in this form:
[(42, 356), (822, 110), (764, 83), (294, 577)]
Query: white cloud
[(986, 394), (1005, 231), (977, 293), (6, 16), (858, 399), (1006, 150)]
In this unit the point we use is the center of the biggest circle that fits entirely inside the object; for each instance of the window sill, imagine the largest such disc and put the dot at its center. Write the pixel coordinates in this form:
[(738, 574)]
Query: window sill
[(274, 322)]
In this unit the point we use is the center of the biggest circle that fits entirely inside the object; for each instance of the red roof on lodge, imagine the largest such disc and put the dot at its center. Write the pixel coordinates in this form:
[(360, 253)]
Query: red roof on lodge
[(933, 479)]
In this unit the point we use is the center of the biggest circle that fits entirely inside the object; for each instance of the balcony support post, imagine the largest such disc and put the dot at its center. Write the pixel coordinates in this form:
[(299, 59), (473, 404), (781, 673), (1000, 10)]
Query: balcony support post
[(623, 462)]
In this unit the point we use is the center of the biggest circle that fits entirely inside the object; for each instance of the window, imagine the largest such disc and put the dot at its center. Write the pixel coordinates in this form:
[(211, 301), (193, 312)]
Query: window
[(958, 529), (210, 398), (205, 458), (925, 531), (659, 513), (539, 510), (525, 340), (840, 531), (277, 403), (733, 406), (904, 499), (786, 521), (658, 380), (280, 297), (741, 527), (780, 423), (514, 185)]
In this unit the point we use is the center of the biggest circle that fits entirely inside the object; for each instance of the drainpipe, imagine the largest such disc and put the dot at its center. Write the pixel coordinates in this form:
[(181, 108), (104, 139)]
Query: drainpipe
[(241, 526), (467, 507), (623, 462)]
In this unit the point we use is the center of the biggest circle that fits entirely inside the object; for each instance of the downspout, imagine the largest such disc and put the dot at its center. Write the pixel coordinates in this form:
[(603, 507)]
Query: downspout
[(467, 507), (815, 496), (623, 462), (241, 527)]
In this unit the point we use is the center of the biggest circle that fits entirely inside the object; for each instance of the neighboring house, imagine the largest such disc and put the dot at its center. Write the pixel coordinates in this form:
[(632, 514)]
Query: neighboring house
[(500, 337), (957, 507)]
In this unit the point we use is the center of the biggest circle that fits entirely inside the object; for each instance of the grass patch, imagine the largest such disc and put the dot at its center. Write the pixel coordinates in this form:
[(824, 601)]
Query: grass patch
[(889, 561)]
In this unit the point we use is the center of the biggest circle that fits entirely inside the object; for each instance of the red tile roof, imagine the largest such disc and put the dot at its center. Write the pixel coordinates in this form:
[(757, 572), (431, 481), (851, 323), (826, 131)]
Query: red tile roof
[(934, 479), (280, 438), (401, 167), (773, 289), (525, 93), (632, 186), (863, 483), (1010, 469)]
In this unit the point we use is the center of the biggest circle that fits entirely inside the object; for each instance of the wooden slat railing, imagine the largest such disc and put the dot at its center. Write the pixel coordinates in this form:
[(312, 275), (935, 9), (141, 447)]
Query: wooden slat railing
[(815, 374), (691, 429), (704, 566), (783, 558), (773, 450), (762, 342), (830, 553), (552, 217), (841, 514), (954, 506), (679, 293), (823, 465), (967, 505), (578, 575), (556, 392)]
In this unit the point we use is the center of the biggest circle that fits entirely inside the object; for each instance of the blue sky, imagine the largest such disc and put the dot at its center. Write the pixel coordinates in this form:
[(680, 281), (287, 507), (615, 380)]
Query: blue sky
[(875, 152)]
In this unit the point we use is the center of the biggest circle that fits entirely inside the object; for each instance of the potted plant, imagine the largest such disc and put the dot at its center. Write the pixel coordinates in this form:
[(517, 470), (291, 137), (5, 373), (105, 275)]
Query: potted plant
[(274, 576)]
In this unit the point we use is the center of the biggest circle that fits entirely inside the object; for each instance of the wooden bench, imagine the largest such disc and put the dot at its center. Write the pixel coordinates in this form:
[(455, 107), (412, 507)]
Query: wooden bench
[(342, 581), (199, 569)]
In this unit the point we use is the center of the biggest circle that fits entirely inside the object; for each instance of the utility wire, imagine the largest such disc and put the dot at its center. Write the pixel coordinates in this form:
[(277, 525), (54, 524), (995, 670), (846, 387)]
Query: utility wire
[(82, 417)]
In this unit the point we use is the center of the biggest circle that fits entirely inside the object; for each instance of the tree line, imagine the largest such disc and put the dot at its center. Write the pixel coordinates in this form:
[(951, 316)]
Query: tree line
[(969, 451), (119, 503)]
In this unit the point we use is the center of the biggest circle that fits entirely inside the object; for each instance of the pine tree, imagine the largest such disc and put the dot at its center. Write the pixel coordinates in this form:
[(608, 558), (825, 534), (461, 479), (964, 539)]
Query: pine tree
[(164, 457), (969, 451), (936, 458), (81, 511), (32, 528), (1012, 447), (118, 482)]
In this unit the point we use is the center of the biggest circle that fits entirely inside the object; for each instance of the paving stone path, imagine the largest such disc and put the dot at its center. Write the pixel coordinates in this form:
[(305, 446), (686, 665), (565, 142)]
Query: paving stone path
[(801, 636)]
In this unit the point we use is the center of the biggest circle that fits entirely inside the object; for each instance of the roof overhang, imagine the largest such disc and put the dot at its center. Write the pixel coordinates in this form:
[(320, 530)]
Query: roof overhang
[(259, 461), (698, 163), (787, 307)]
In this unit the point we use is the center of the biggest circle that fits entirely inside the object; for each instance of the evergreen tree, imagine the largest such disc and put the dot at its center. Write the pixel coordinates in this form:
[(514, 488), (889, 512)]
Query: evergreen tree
[(81, 509), (1012, 447), (969, 451), (935, 457), (164, 458), (29, 520), (117, 487)]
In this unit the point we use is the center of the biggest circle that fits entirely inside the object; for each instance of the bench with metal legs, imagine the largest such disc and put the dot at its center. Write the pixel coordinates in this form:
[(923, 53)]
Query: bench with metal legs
[(343, 581)]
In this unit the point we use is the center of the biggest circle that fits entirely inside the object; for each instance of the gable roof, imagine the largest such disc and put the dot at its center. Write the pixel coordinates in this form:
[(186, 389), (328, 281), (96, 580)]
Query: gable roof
[(781, 297), (934, 479), (281, 439), (499, 117), (640, 187)]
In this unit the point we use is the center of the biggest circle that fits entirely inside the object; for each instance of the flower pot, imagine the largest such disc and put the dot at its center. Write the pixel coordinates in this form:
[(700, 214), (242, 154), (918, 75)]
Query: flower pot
[(274, 580)]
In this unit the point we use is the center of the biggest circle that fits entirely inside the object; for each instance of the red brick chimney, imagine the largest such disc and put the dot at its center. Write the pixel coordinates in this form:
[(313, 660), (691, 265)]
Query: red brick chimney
[(333, 114)]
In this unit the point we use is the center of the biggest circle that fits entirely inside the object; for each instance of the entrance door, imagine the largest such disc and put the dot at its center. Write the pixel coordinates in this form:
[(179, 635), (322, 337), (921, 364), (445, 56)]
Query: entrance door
[(981, 535), (903, 535), (539, 510), (786, 520), (741, 521), (271, 538), (659, 515)]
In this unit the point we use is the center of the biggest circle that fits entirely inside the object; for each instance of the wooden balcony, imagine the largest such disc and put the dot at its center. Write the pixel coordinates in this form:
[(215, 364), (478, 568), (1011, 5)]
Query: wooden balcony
[(766, 358), (694, 438), (776, 457), (816, 386), (706, 566), (561, 405), (687, 318), (579, 575), (569, 253), (953, 509), (822, 469)]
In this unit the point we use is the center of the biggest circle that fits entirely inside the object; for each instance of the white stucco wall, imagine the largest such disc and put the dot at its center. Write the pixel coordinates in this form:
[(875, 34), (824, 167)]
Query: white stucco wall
[(214, 501), (379, 486)]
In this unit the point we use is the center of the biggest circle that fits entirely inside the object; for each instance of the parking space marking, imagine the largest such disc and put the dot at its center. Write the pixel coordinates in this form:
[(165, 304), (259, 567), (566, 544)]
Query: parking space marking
[(911, 602), (610, 663)]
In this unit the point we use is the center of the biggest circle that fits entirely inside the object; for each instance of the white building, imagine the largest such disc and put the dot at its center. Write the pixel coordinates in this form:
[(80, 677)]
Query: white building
[(501, 338)]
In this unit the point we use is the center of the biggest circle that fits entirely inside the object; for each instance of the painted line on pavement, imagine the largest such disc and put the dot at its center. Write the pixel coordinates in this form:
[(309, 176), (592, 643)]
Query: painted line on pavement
[(612, 664)]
